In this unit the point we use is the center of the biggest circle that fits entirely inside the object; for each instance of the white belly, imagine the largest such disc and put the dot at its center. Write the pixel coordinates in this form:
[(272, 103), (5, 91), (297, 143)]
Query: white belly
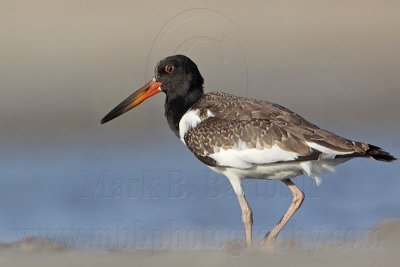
[(283, 170), (276, 171)]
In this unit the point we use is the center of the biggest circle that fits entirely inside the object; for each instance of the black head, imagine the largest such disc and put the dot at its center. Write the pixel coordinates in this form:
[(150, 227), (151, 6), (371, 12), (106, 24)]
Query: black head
[(178, 77)]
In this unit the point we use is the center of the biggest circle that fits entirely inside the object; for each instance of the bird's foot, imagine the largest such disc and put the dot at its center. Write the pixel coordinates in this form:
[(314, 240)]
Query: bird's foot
[(236, 247), (268, 242)]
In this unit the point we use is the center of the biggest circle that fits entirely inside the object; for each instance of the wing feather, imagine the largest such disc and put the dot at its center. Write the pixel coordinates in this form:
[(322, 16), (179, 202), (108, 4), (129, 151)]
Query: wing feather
[(244, 132)]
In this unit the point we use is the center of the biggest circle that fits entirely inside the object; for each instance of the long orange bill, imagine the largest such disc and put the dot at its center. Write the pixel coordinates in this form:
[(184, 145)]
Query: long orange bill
[(151, 88)]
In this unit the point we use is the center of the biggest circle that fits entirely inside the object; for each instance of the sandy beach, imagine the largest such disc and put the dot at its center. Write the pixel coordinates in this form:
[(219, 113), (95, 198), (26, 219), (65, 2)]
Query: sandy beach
[(381, 252)]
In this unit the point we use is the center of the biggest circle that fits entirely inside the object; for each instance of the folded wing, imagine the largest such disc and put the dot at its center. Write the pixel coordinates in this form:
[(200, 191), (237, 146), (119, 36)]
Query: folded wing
[(243, 132)]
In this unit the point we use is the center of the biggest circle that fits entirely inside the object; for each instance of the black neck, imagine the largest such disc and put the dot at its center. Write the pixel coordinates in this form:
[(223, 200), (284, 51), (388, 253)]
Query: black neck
[(176, 106)]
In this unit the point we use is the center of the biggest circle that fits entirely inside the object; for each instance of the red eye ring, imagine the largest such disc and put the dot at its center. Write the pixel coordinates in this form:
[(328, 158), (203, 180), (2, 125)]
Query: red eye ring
[(169, 68)]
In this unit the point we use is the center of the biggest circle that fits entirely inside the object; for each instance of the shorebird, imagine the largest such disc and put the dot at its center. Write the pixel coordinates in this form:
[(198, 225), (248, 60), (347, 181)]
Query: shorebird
[(245, 138)]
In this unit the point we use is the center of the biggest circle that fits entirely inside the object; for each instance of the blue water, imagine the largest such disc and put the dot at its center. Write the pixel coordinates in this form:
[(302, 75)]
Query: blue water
[(114, 195)]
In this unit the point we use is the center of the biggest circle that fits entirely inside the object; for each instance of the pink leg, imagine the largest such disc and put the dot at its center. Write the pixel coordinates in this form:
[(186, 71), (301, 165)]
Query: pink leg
[(298, 197), (247, 215)]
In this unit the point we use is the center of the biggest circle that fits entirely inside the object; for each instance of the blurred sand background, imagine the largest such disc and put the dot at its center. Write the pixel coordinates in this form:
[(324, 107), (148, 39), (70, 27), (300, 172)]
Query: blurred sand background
[(65, 64)]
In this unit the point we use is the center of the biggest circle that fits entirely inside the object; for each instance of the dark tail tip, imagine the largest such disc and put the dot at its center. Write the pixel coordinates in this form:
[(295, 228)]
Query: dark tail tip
[(379, 154)]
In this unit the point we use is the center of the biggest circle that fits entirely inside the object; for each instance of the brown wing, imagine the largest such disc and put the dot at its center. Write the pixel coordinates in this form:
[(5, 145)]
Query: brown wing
[(260, 124)]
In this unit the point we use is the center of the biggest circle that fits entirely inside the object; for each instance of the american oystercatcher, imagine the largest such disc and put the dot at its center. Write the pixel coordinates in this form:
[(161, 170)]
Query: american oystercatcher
[(245, 138)]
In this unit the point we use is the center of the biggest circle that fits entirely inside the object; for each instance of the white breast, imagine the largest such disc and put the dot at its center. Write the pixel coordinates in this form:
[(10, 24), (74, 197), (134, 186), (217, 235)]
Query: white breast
[(190, 120)]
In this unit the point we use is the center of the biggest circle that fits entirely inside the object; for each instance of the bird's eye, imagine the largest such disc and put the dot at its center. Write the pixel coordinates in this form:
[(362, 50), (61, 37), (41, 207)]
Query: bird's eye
[(169, 68)]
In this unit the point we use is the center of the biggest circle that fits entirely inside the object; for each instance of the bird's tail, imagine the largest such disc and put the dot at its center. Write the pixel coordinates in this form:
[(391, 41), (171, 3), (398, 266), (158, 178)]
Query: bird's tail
[(379, 154)]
